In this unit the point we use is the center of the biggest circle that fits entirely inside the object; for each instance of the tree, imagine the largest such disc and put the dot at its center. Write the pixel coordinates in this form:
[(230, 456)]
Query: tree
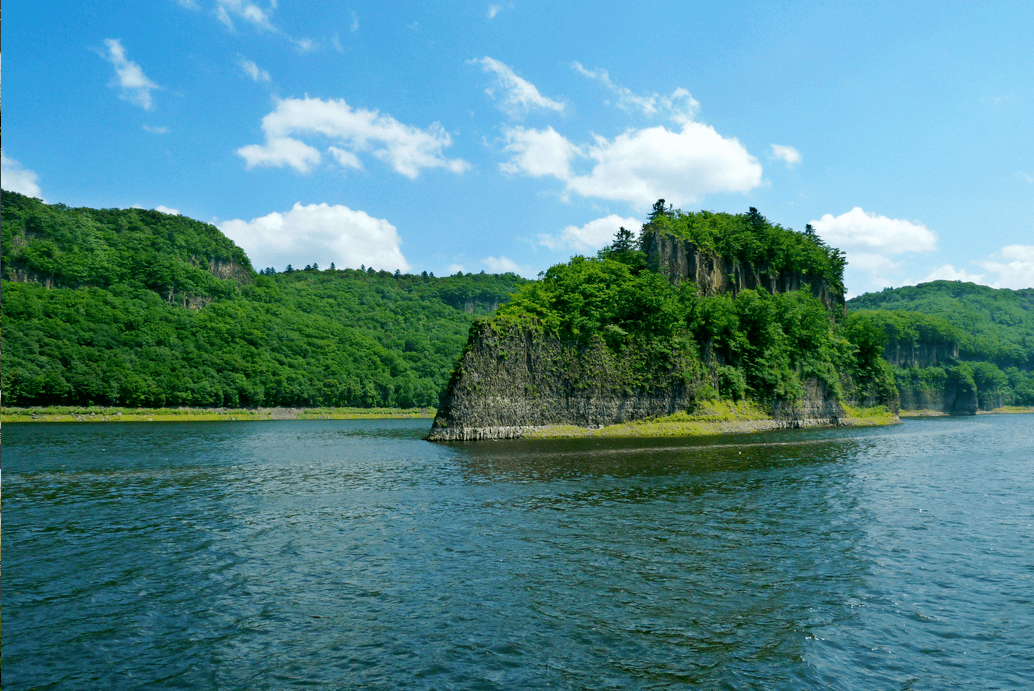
[(659, 210)]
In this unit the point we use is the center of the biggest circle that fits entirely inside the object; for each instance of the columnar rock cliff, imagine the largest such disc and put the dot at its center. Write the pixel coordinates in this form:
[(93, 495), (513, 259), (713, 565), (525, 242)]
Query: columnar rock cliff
[(682, 260), (512, 379)]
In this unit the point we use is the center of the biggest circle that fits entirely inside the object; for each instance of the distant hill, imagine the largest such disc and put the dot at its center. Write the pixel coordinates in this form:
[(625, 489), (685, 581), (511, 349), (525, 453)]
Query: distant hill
[(985, 334), (135, 307)]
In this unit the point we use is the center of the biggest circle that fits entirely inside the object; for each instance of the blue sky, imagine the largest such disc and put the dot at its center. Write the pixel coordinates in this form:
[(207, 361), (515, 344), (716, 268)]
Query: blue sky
[(509, 136)]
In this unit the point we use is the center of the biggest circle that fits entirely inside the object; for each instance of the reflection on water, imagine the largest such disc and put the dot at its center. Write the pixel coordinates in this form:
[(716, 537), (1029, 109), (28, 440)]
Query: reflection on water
[(264, 555)]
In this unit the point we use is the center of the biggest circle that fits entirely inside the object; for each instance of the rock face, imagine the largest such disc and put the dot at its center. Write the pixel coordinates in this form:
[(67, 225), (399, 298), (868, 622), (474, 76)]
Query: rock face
[(682, 260), (512, 380), (922, 354)]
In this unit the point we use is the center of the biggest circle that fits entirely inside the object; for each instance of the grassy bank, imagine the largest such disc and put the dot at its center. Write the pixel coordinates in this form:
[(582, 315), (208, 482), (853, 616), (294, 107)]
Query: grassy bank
[(102, 414), (711, 418)]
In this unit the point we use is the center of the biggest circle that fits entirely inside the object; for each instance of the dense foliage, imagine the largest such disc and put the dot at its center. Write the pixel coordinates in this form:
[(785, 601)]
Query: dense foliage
[(751, 238), (992, 329), (754, 345), (74, 335)]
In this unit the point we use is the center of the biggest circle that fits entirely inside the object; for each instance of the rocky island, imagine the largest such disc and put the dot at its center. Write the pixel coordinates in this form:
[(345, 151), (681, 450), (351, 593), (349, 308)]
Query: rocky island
[(700, 307)]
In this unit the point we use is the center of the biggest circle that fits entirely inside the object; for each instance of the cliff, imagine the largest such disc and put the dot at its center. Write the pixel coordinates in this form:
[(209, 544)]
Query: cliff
[(513, 379), (681, 259)]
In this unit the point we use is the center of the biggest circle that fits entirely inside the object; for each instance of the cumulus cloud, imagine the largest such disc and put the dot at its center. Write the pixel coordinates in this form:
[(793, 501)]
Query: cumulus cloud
[(256, 73), (132, 83), (15, 178), (538, 153), (680, 106), (1014, 266), (870, 241), (786, 153), (860, 229), (516, 96), (591, 236), (226, 10), (950, 273), (405, 148), (503, 265), (166, 210), (320, 233), (454, 269), (639, 166), (642, 166)]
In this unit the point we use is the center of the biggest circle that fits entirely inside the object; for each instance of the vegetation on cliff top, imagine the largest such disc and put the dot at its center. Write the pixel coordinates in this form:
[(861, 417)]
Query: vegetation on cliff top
[(139, 308), (753, 346)]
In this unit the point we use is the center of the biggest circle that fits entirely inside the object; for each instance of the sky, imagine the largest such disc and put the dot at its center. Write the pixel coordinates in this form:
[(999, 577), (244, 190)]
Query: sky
[(509, 136)]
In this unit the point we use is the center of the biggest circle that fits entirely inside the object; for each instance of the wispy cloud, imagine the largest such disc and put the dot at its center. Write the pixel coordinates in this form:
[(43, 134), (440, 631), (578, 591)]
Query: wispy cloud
[(256, 73), (354, 131), (155, 130), (516, 96), (786, 153), (132, 83), (680, 105), (494, 10), (227, 10)]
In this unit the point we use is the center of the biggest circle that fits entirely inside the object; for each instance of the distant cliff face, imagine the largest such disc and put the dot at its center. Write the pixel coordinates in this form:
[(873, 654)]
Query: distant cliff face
[(512, 379), (681, 260), (921, 354)]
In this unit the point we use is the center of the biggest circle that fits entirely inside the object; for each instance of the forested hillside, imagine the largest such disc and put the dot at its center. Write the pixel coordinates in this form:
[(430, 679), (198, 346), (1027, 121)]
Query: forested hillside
[(956, 334), (140, 308)]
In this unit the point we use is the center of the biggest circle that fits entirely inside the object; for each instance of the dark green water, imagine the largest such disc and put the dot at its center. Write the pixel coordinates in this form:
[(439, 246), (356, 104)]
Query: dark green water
[(355, 555)]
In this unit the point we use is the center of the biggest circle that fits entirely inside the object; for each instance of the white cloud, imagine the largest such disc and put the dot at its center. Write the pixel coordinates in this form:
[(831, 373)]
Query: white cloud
[(1018, 272), (518, 96), (859, 229), (503, 265), (950, 273), (640, 166), (320, 233), (133, 85), (786, 153), (680, 105), (256, 73), (166, 210), (280, 151), (870, 241), (406, 148), (18, 179), (454, 269), (155, 130), (494, 10), (591, 236), (242, 9), (354, 26), (1025, 176), (538, 152)]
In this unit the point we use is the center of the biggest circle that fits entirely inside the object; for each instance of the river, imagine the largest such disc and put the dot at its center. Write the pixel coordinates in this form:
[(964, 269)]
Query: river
[(352, 554)]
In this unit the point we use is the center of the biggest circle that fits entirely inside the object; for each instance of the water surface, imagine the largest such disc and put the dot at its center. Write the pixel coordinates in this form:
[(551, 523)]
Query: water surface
[(346, 554)]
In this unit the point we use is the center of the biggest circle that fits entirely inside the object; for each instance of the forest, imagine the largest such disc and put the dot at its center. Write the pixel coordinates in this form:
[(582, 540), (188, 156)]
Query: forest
[(140, 308), (132, 307), (989, 331)]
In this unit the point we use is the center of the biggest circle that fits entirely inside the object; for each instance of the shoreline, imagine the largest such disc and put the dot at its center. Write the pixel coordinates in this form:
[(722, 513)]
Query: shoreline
[(1004, 410), (710, 419), (51, 414)]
